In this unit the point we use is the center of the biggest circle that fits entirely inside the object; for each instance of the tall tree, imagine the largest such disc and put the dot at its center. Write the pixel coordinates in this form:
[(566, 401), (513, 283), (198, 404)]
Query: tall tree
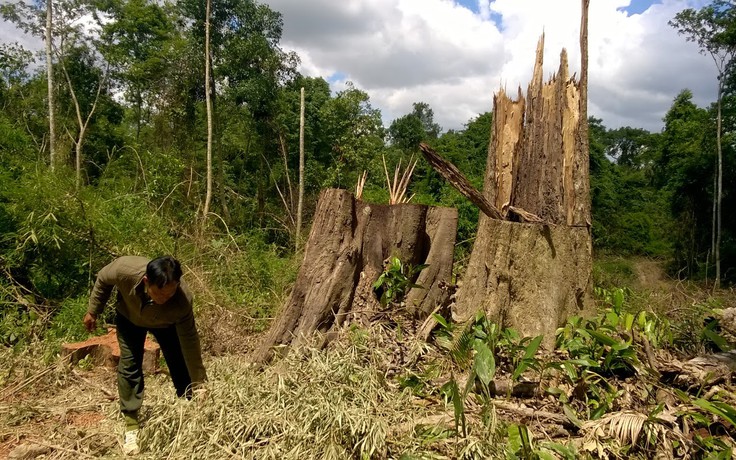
[(83, 112), (300, 203), (682, 170), (354, 135), (208, 99), (50, 82), (713, 28), (37, 19), (137, 37)]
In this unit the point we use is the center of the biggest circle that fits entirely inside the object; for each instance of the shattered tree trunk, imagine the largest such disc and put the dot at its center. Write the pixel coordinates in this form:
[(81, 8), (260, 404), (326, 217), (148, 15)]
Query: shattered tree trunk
[(530, 267), (344, 256)]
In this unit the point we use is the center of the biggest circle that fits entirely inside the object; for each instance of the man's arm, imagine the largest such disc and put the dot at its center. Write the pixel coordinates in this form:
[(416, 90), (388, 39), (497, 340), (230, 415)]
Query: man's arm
[(186, 329), (100, 294)]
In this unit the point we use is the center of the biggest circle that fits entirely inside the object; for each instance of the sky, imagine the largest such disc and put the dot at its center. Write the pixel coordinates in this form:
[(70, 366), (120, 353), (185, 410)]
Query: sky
[(454, 54)]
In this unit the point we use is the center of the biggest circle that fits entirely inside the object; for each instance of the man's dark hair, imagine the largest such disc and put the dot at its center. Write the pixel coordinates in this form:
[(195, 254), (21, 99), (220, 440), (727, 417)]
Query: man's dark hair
[(163, 270)]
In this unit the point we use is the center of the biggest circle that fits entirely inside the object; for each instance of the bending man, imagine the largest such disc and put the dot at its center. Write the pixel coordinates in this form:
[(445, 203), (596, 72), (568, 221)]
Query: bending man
[(151, 296)]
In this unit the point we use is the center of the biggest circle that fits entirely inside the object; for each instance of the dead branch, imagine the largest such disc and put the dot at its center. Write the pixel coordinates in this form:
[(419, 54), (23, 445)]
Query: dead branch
[(453, 175), (533, 413)]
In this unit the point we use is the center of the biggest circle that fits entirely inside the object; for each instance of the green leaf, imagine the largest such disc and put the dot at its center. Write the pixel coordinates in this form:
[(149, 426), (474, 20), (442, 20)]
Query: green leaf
[(514, 434), (532, 348), (587, 362), (459, 408), (563, 450), (603, 338), (485, 363), (718, 408), (570, 414), (628, 321), (612, 318), (618, 299), (440, 320), (714, 337)]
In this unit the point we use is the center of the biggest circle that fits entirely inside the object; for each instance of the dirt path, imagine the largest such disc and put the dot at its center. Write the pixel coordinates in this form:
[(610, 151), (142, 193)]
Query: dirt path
[(650, 275)]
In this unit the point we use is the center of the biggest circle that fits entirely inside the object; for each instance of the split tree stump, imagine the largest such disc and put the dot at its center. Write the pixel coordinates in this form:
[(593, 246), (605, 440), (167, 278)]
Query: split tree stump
[(345, 254), (531, 263)]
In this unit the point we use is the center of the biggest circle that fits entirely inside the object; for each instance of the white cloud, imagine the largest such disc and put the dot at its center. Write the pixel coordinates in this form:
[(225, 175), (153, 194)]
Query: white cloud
[(439, 52), (436, 51)]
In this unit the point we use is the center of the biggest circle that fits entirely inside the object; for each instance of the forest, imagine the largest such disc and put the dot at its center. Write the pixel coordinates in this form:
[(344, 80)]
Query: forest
[(123, 137)]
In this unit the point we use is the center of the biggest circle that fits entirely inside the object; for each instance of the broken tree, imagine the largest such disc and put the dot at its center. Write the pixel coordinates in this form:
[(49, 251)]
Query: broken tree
[(345, 254), (531, 263)]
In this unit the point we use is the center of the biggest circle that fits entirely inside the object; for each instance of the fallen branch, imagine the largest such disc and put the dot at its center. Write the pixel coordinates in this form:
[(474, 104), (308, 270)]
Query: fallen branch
[(524, 216), (533, 413), (453, 175)]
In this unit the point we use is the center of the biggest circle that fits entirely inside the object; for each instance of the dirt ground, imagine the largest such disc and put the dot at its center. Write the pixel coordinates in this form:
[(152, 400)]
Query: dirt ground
[(60, 412), (70, 411)]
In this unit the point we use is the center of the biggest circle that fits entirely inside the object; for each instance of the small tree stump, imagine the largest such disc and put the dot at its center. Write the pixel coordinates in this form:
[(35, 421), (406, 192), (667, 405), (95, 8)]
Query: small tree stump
[(348, 245), (105, 351)]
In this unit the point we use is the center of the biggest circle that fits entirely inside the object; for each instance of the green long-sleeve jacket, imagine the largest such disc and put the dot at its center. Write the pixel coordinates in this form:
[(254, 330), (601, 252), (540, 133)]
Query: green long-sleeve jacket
[(126, 274)]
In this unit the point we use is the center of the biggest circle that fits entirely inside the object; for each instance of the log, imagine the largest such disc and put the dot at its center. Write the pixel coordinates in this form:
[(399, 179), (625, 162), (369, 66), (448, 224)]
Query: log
[(349, 243)]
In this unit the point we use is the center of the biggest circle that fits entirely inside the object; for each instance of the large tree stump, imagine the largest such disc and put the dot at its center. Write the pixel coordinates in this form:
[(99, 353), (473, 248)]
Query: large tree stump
[(531, 263), (349, 242)]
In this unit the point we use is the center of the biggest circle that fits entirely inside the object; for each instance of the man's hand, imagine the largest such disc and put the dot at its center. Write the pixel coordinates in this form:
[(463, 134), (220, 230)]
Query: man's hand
[(90, 322)]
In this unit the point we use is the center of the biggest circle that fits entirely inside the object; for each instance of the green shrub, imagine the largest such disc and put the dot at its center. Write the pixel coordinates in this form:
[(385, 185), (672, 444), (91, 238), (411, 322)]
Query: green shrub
[(67, 323)]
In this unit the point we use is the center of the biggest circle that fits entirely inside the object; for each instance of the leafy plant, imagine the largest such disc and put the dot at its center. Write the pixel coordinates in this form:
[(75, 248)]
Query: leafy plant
[(396, 280), (521, 446)]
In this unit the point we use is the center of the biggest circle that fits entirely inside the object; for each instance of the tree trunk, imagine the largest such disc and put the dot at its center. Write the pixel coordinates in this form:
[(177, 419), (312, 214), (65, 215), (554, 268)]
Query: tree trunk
[(50, 81), (300, 202), (207, 70), (530, 268), (349, 242), (719, 191)]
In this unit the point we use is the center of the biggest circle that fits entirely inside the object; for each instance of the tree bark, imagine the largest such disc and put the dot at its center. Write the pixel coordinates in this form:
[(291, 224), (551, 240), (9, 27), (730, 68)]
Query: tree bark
[(349, 242), (300, 202), (719, 191)]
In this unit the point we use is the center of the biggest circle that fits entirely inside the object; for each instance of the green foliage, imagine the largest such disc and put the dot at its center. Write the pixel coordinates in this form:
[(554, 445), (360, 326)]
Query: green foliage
[(252, 276), (67, 325), (19, 326), (396, 280)]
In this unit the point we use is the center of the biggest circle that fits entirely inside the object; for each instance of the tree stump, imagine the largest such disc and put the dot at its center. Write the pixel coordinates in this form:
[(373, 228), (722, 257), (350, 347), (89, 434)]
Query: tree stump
[(105, 351), (531, 263), (345, 254)]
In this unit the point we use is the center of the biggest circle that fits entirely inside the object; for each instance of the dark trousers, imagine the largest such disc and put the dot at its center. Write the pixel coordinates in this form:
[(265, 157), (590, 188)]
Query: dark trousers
[(131, 339)]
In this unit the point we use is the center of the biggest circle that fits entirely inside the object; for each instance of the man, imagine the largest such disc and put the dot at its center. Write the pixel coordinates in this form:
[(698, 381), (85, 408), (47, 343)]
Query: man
[(151, 296)]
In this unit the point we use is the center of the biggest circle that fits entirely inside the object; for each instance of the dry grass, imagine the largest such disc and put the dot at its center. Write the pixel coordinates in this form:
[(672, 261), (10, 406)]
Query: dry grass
[(343, 402), (316, 405)]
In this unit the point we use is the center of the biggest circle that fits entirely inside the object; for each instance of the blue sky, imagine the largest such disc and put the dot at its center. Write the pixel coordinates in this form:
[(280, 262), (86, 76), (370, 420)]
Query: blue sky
[(635, 7)]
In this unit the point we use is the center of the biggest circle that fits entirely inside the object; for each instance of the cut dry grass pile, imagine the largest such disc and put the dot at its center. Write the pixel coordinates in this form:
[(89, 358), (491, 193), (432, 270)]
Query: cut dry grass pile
[(342, 402), (332, 404)]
